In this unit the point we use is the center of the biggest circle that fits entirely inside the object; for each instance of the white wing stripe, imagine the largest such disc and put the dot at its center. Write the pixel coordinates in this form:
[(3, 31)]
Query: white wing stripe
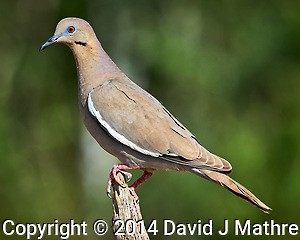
[(114, 133)]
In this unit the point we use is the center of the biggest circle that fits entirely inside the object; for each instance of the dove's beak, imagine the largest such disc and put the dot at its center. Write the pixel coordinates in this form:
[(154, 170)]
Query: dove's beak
[(50, 41)]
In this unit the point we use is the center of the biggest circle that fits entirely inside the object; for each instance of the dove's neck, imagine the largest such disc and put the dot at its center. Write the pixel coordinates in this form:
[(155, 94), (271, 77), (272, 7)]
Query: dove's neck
[(94, 67)]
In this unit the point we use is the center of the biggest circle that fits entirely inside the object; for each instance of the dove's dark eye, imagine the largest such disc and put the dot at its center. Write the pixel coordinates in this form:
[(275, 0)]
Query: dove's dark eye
[(71, 29)]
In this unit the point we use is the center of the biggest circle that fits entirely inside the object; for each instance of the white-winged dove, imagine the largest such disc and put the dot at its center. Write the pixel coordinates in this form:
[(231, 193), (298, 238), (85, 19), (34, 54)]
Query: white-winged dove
[(131, 124)]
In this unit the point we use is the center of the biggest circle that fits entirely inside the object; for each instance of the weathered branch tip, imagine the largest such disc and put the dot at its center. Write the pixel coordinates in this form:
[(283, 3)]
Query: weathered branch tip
[(127, 220)]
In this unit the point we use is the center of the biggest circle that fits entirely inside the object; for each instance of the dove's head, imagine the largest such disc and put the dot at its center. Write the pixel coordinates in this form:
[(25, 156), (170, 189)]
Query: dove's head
[(72, 32)]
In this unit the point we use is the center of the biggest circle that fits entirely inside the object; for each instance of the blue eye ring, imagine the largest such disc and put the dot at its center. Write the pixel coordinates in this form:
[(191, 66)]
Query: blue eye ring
[(71, 29)]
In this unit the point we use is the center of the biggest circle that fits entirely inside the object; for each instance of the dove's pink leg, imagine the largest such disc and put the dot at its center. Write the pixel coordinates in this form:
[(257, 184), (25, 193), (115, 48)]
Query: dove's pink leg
[(121, 168)]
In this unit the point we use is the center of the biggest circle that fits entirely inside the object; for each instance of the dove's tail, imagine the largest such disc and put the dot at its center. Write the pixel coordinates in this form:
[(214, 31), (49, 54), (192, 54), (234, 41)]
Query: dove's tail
[(231, 185)]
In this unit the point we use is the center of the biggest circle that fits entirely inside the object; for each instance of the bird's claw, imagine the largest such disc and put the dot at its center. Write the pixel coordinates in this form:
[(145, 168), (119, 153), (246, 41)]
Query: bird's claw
[(121, 183), (128, 175), (108, 188), (121, 168), (113, 177), (108, 194)]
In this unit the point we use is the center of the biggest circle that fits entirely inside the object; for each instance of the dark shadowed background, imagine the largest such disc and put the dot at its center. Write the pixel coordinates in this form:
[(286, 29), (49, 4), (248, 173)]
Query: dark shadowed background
[(228, 70)]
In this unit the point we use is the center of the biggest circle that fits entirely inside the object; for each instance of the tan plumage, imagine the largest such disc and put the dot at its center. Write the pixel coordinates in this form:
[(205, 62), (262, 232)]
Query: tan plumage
[(233, 186), (130, 123)]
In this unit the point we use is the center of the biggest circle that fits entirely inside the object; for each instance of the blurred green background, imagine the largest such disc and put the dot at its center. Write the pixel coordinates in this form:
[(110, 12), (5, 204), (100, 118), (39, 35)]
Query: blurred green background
[(228, 70)]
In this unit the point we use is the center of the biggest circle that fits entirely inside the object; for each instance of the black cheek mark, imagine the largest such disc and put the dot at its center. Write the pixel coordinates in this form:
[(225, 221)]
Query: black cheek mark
[(80, 43)]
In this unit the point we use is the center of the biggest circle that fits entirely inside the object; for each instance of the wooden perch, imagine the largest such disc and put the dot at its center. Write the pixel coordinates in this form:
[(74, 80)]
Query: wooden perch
[(127, 220)]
